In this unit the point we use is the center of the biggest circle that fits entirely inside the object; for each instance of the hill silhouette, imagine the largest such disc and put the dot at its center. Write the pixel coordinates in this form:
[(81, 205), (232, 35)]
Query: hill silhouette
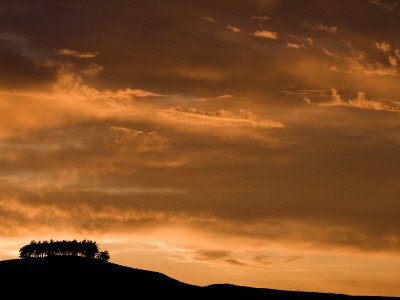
[(76, 277)]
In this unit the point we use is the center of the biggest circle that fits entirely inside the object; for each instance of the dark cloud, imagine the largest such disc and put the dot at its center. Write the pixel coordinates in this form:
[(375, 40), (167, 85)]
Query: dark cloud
[(180, 53), (21, 72)]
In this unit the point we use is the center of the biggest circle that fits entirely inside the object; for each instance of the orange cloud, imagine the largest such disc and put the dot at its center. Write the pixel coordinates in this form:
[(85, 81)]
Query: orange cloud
[(361, 102), (74, 53), (67, 101), (330, 53), (233, 28), (133, 132), (322, 27), (219, 118), (386, 6), (297, 42), (392, 60), (221, 97), (384, 46), (209, 19), (92, 69), (265, 34), (358, 64)]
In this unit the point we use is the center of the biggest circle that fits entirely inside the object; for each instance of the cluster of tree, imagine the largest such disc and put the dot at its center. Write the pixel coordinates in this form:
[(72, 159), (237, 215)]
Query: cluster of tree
[(84, 248)]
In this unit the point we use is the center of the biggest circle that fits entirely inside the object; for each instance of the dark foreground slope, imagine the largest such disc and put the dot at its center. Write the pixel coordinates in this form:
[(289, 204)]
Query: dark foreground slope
[(68, 276), (80, 278)]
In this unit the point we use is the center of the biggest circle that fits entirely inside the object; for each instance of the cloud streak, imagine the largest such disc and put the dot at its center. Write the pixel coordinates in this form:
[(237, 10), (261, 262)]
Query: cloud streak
[(322, 27), (361, 102), (221, 118), (233, 28), (77, 54), (265, 34), (386, 6)]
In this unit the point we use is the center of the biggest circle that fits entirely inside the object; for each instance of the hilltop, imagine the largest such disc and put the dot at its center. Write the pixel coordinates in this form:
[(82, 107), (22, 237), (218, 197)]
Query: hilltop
[(72, 276)]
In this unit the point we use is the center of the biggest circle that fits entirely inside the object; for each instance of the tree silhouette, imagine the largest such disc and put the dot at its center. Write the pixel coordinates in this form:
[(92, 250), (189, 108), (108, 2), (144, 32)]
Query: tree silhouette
[(85, 248), (104, 255)]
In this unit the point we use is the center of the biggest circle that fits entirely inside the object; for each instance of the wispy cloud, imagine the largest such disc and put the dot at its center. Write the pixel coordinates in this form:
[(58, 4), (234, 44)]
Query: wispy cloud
[(74, 53), (221, 97), (306, 92), (359, 64), (330, 53), (219, 118), (392, 61), (292, 258), (239, 257), (360, 102), (260, 18), (209, 19), (92, 69), (233, 28), (293, 45), (384, 46), (67, 100), (143, 93), (299, 42), (265, 34), (132, 132), (392, 55), (321, 27), (386, 6)]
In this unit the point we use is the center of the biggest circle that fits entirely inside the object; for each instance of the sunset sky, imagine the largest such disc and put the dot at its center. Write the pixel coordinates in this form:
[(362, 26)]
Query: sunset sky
[(253, 142)]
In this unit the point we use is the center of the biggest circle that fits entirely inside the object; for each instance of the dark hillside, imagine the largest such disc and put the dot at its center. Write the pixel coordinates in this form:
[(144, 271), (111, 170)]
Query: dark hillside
[(243, 292), (72, 277)]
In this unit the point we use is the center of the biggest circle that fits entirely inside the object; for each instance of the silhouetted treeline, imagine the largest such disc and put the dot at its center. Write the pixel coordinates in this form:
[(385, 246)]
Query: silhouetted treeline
[(84, 248)]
